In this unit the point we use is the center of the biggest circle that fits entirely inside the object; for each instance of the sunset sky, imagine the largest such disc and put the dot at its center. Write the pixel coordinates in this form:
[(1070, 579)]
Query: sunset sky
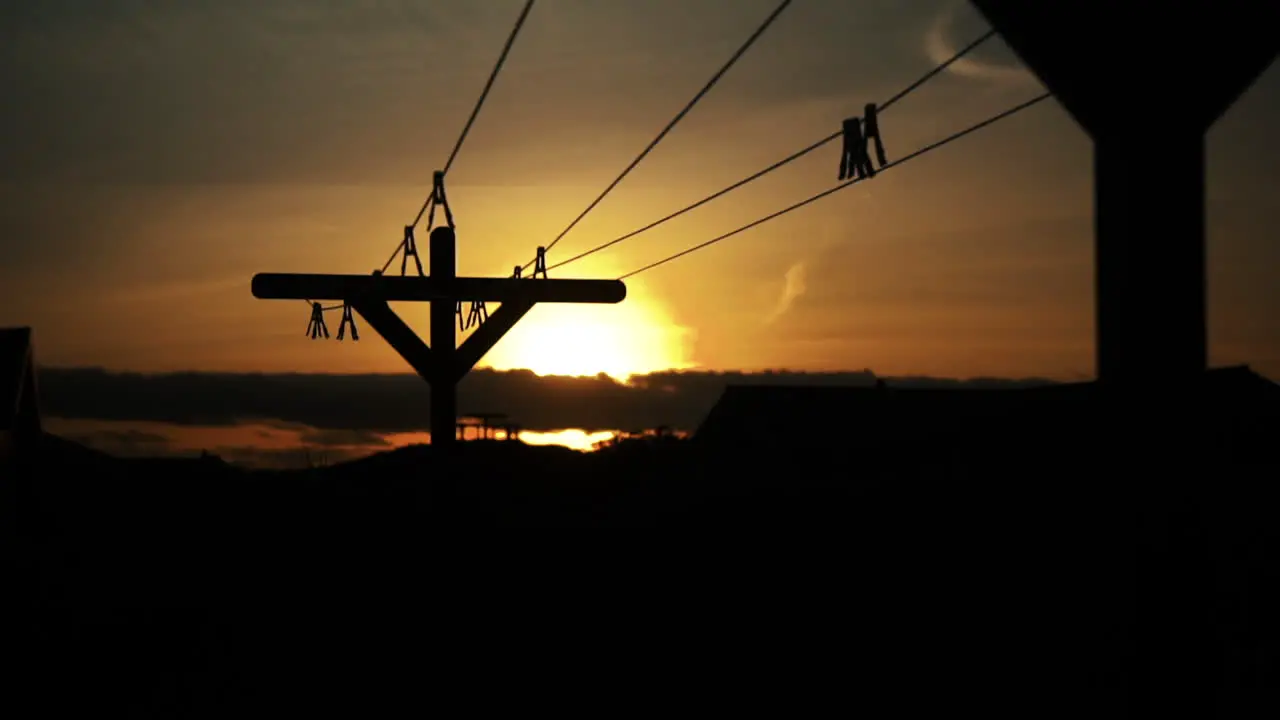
[(155, 155)]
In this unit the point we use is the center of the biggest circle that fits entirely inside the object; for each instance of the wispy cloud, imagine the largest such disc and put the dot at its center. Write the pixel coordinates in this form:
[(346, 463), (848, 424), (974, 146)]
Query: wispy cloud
[(793, 287), (940, 46)]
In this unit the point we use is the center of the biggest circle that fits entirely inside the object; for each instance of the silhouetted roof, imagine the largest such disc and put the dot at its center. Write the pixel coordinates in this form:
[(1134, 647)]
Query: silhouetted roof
[(802, 417), (18, 408)]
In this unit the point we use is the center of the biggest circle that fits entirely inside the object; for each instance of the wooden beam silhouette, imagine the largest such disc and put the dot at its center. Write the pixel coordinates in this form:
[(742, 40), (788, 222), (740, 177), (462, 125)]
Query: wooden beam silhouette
[(295, 286), (399, 336), (474, 348)]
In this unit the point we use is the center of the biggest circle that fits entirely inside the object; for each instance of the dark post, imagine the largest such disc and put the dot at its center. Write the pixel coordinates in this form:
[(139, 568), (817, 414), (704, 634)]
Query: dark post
[(1147, 92), (1149, 254), (20, 425), (1147, 118), (444, 343)]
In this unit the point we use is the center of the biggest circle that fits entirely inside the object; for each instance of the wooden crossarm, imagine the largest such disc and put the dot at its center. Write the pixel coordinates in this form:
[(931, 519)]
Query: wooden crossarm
[(302, 286)]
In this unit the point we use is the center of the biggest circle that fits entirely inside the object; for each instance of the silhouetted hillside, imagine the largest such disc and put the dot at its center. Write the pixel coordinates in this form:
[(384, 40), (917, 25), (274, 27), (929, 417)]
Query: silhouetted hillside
[(983, 554)]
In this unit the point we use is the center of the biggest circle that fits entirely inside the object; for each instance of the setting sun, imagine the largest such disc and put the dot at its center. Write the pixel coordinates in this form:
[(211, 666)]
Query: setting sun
[(631, 338)]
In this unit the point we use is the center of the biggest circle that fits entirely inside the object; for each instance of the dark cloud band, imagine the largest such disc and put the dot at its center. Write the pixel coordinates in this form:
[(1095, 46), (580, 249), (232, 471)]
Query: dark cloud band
[(399, 403)]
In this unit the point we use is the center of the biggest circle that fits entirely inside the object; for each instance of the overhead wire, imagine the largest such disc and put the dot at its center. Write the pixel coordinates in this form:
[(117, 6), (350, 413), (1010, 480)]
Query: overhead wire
[(326, 308), (497, 67), (785, 161), (475, 112), (679, 116), (922, 151)]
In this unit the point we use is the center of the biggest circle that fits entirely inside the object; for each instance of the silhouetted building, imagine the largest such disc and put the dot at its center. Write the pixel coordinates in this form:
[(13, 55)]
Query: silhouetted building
[(485, 426), (19, 408), (867, 422)]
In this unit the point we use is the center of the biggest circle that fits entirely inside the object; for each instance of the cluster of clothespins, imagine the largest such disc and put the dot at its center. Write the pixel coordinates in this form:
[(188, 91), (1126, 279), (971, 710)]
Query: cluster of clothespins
[(855, 158), (409, 247), (317, 328), (478, 312), (539, 265)]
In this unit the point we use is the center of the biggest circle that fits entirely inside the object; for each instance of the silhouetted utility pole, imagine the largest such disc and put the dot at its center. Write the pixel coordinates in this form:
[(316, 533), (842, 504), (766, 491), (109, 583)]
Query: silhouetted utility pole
[(444, 362), (1147, 87)]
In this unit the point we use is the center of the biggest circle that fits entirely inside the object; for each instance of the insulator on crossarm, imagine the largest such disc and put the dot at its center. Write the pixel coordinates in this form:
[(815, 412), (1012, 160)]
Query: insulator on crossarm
[(540, 264), (316, 327), (410, 250), (479, 313), (439, 199), (348, 319)]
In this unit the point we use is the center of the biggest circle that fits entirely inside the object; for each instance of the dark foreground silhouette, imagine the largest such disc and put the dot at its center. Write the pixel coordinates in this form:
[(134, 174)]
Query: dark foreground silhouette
[(1045, 557)]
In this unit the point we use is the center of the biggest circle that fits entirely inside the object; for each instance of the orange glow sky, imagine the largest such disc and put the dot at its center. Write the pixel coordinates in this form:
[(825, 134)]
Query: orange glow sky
[(152, 162)]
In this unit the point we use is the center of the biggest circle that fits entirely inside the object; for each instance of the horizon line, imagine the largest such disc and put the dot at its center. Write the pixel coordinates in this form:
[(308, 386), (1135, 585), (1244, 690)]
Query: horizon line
[(670, 371)]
